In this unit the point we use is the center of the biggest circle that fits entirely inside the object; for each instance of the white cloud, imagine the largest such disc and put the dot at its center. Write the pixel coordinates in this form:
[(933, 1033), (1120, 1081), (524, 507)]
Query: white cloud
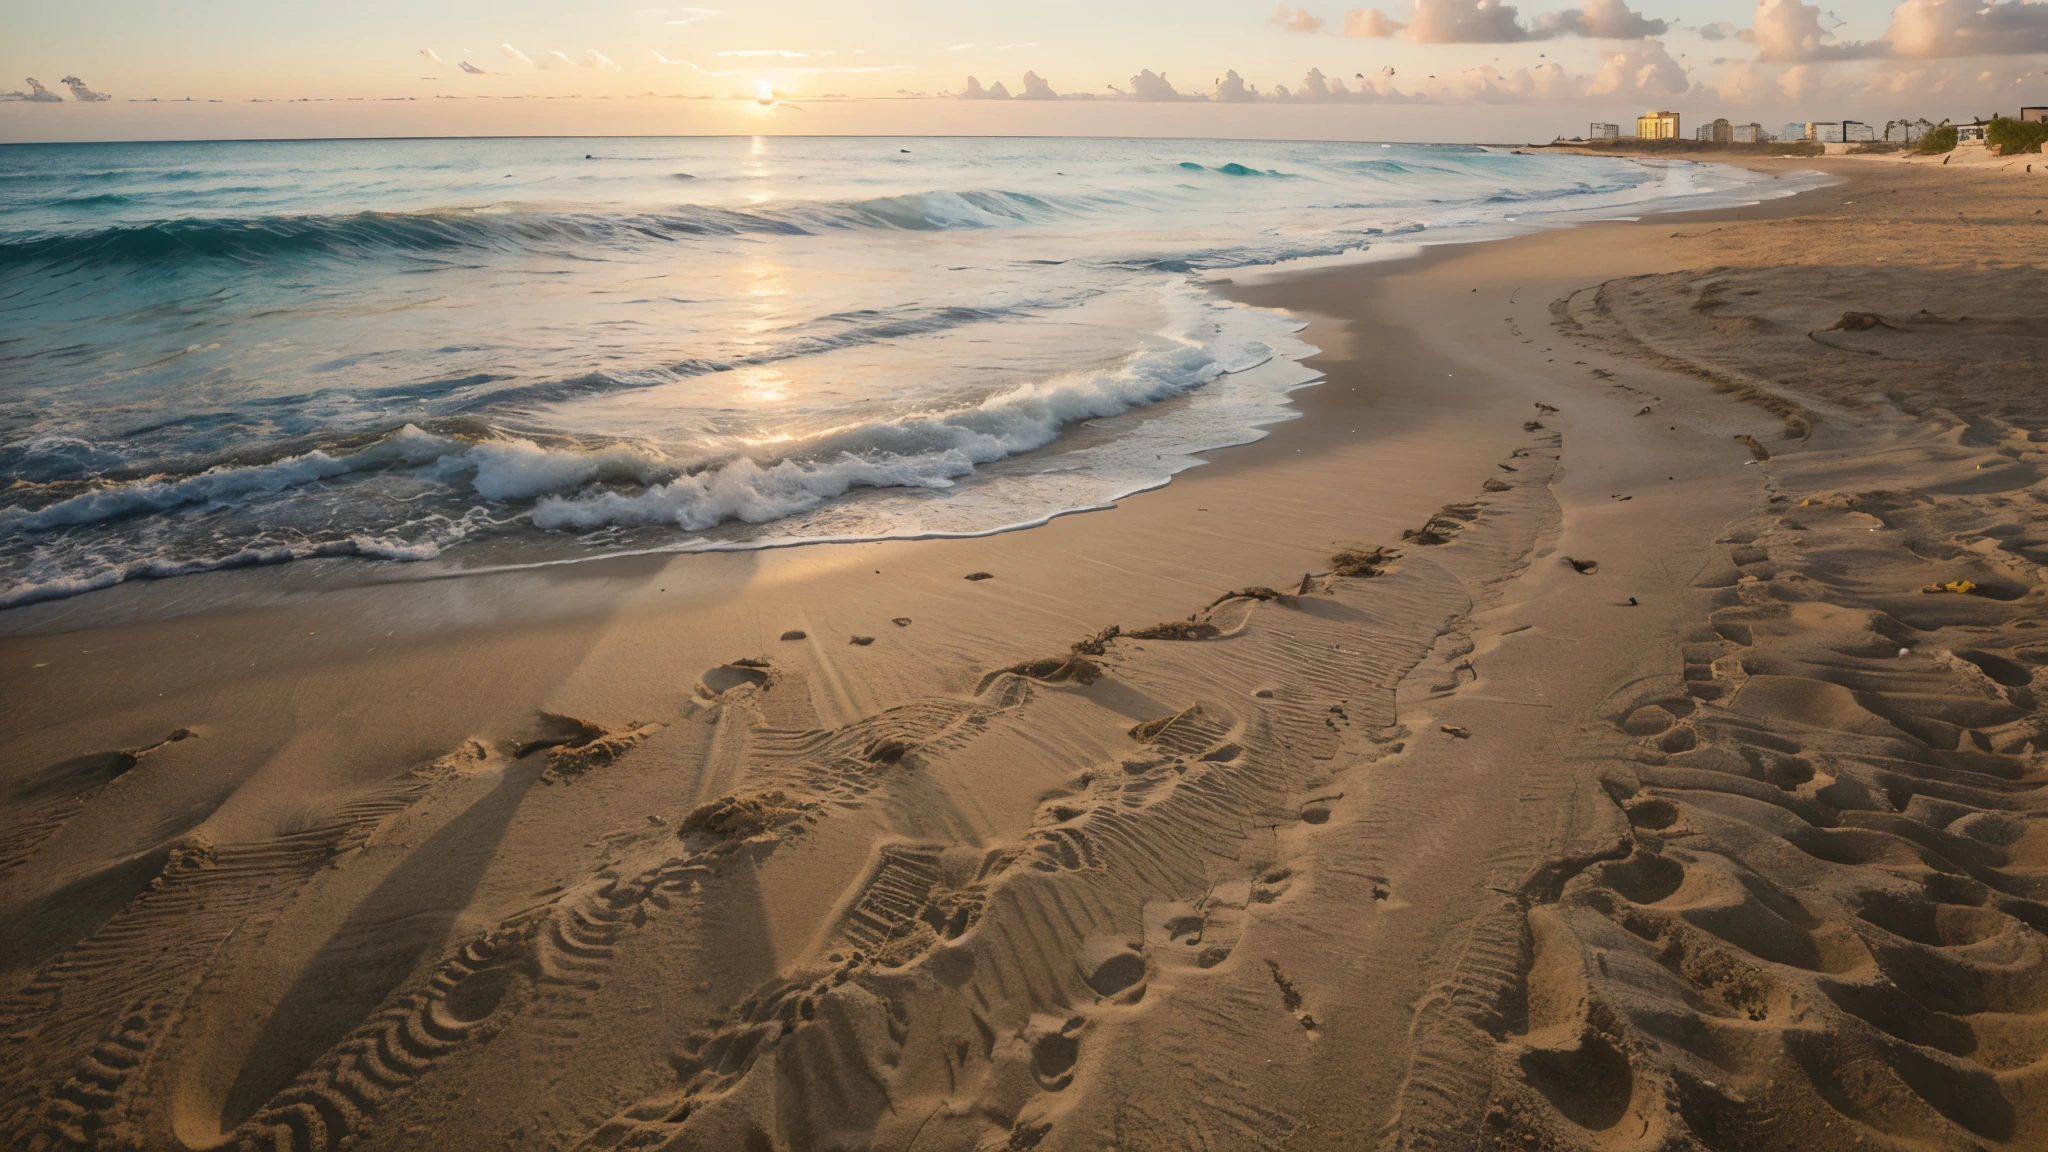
[(1232, 89), (1489, 85), (1370, 24), (780, 53), (1493, 22), (1718, 30), (974, 91), (1600, 19), (1036, 89), (1742, 83), (1150, 85), (595, 59), (429, 54), (1639, 70), (552, 59), (1464, 22), (1789, 31), (701, 71), (512, 53), (1925, 29), (1295, 19)]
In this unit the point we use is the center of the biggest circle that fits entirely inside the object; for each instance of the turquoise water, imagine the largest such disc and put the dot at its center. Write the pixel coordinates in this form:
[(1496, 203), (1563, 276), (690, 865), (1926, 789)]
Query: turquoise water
[(220, 354)]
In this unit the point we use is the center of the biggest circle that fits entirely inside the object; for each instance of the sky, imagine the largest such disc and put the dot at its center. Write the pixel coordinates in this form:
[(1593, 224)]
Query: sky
[(1402, 70)]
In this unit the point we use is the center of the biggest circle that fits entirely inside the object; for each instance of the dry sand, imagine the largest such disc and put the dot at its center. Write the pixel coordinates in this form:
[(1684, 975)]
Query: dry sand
[(1635, 797)]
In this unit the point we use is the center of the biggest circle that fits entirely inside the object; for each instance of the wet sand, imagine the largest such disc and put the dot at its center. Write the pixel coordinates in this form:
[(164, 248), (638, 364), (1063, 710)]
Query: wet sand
[(1598, 810)]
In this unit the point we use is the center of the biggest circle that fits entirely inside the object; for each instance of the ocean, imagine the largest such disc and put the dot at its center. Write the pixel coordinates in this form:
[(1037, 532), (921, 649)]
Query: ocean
[(481, 353)]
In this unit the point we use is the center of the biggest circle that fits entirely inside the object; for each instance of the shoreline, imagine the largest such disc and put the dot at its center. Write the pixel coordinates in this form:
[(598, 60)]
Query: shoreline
[(1448, 851), (135, 599)]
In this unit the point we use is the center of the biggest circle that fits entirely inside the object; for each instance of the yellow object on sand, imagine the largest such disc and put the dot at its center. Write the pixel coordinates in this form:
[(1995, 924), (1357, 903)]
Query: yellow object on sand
[(1960, 587)]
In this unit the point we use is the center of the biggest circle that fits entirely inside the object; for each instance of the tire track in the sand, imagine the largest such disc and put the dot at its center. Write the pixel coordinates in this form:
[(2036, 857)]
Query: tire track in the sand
[(1002, 970), (1008, 984), (539, 970), (86, 1021)]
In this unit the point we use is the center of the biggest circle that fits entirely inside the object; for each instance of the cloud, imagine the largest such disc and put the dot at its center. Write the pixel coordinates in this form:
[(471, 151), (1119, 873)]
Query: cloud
[(595, 59), (1464, 22), (1492, 22), (1789, 31), (1489, 85), (956, 48), (701, 71), (1742, 84), (1233, 90), (781, 53), (1370, 24), (512, 53), (1036, 89), (1926, 29), (690, 15), (1600, 19), (1295, 19), (1641, 70), (1718, 30), (552, 59), (974, 91), (472, 69), (1317, 88), (1150, 85), (429, 54)]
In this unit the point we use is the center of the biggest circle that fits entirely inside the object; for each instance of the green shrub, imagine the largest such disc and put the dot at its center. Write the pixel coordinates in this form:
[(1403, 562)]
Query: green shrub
[(1942, 139), (2012, 137)]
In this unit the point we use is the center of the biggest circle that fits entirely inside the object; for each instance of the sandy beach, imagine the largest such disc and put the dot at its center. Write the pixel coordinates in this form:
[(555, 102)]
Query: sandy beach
[(1603, 720)]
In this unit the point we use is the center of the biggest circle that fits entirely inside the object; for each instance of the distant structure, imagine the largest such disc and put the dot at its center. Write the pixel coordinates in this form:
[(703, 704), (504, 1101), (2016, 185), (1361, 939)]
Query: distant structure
[(2034, 115), (81, 93), (1971, 133), (1794, 131), (1751, 133), (1857, 132), (36, 92), (1657, 126), (1907, 131), (1719, 132), (1601, 131)]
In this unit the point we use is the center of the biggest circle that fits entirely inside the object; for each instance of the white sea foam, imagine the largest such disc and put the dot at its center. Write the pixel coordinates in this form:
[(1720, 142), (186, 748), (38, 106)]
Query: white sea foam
[(812, 340)]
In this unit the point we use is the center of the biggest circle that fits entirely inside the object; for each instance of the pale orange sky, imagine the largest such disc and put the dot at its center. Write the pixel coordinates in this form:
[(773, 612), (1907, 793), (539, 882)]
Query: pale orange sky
[(1416, 69)]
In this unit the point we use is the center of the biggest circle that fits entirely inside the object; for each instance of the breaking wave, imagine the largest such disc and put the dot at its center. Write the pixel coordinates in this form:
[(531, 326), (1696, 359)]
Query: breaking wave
[(427, 234)]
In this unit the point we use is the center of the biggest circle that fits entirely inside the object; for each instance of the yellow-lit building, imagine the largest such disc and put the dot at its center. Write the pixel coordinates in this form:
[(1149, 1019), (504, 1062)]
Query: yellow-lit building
[(1657, 126)]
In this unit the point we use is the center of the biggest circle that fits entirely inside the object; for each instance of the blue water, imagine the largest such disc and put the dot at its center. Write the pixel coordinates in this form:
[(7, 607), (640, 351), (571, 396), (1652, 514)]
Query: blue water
[(455, 351)]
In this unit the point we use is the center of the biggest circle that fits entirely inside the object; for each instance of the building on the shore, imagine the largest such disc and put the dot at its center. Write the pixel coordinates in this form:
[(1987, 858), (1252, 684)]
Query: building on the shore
[(2034, 115), (1751, 133), (1718, 132), (1657, 126), (1907, 131), (1971, 133), (1600, 131)]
